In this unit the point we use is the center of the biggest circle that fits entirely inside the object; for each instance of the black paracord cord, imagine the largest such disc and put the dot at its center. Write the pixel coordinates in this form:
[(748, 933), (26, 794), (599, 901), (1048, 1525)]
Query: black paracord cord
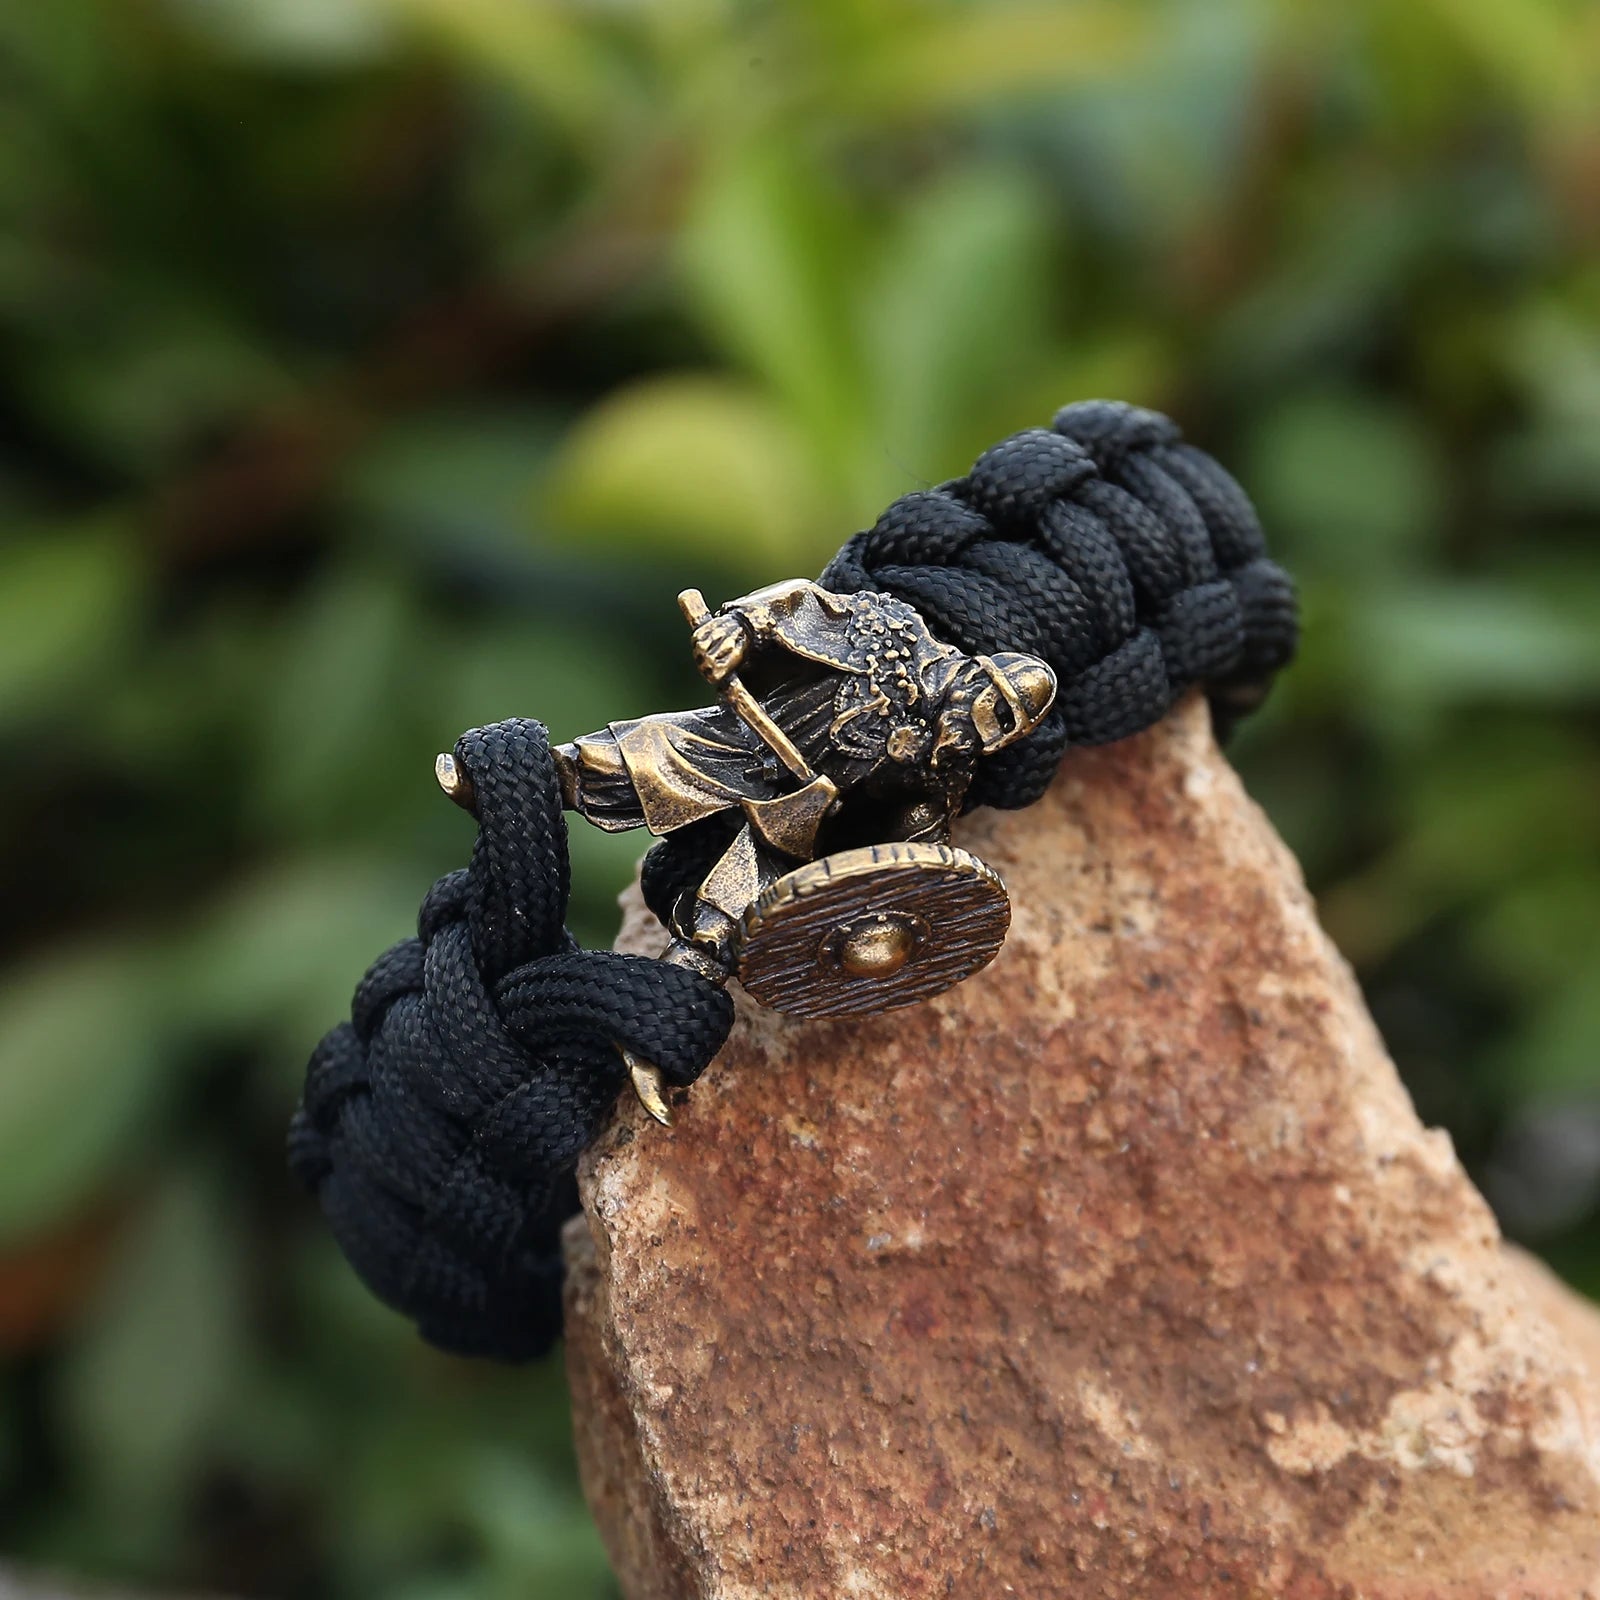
[(441, 1126)]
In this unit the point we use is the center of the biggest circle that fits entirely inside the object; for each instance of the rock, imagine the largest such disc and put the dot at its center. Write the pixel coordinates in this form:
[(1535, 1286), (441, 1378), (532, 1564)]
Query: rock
[(1124, 1269)]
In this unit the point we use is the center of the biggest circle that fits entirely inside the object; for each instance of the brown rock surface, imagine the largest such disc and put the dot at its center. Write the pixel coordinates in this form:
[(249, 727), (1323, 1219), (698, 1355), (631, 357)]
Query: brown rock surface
[(1125, 1269)]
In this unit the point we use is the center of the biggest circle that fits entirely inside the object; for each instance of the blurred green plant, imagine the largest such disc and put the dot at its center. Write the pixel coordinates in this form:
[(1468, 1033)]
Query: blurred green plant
[(371, 368)]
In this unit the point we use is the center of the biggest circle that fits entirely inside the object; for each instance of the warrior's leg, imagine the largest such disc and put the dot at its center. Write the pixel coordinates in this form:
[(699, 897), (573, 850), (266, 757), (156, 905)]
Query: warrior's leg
[(745, 869), (923, 821), (703, 933), (649, 1084), (703, 943)]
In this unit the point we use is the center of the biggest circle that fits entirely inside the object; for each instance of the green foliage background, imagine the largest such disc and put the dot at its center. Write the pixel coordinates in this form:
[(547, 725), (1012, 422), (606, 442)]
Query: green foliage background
[(374, 368)]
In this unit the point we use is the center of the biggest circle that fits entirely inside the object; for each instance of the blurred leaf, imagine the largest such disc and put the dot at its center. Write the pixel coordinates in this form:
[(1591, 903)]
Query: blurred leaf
[(708, 463), (1552, 460), (1322, 299), (533, 1534), (1156, 151), (67, 601), (1539, 933), (1498, 642), (1352, 481), (574, 671), (172, 714), (1483, 820), (81, 1070), (464, 476), (145, 1386), (603, 866), (336, 690), (1551, 469), (1532, 49), (332, 33), (140, 390), (76, 52), (280, 956), (1131, 363), (43, 1279), (771, 252), (1552, 350), (950, 59), (958, 302), (1556, 1053), (540, 49)]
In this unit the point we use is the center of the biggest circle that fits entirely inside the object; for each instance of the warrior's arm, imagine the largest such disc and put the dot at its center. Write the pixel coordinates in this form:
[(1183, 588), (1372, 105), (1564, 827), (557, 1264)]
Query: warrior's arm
[(801, 617)]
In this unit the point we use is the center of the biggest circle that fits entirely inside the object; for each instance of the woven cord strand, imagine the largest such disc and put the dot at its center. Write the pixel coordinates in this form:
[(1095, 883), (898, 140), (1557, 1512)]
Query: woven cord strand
[(441, 1126)]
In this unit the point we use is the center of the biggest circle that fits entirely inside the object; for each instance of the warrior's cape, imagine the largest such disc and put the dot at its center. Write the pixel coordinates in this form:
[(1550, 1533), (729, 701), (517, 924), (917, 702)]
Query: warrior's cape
[(839, 674)]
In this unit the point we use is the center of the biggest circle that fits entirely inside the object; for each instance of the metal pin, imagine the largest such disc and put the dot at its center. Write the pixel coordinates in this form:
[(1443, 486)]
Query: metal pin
[(649, 1085), (455, 782)]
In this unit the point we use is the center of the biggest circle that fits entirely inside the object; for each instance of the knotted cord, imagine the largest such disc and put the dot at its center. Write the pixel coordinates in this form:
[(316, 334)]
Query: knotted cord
[(441, 1126)]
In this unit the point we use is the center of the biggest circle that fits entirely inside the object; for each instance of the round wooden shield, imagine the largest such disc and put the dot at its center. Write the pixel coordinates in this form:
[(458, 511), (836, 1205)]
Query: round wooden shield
[(867, 930)]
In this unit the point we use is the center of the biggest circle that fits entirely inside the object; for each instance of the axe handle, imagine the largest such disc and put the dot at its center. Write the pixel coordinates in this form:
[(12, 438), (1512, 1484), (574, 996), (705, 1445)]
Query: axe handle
[(750, 711)]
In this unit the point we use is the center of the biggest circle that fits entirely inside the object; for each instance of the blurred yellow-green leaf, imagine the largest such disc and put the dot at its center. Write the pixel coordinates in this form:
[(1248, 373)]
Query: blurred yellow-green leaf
[(68, 598), (952, 317), (539, 49), (950, 58), (81, 1077), (773, 256), (144, 1391), (1354, 486), (710, 466)]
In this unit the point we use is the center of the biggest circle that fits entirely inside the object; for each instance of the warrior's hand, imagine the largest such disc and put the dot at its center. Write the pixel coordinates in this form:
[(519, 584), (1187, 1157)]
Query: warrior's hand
[(720, 643)]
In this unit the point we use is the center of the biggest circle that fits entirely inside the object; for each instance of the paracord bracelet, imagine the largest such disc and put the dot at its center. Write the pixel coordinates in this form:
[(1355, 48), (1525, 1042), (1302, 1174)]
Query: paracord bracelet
[(1065, 592)]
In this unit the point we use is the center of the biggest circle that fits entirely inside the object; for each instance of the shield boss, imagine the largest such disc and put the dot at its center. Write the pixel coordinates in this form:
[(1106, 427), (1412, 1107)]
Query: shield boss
[(867, 930)]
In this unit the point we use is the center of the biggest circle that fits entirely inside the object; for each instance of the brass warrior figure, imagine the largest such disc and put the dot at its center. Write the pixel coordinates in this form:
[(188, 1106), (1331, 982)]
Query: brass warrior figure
[(844, 723)]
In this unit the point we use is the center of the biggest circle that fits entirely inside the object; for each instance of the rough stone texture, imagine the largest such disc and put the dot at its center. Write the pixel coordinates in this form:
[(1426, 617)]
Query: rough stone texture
[(1125, 1269)]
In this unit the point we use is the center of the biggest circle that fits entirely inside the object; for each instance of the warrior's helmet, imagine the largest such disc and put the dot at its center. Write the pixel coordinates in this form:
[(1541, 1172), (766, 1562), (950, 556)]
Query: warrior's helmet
[(1012, 702)]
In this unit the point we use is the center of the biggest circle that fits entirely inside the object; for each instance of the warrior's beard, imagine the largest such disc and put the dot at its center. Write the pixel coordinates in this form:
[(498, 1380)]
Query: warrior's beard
[(956, 736)]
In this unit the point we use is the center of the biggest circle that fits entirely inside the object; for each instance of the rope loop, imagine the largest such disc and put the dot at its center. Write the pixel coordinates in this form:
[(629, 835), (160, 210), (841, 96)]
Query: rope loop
[(440, 1126)]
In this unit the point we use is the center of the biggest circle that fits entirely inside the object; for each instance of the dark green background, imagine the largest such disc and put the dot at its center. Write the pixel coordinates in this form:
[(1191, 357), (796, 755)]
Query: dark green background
[(374, 368)]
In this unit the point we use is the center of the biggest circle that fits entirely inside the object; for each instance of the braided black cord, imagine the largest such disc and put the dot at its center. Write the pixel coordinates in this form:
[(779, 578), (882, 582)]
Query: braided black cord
[(441, 1125), (1128, 560)]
